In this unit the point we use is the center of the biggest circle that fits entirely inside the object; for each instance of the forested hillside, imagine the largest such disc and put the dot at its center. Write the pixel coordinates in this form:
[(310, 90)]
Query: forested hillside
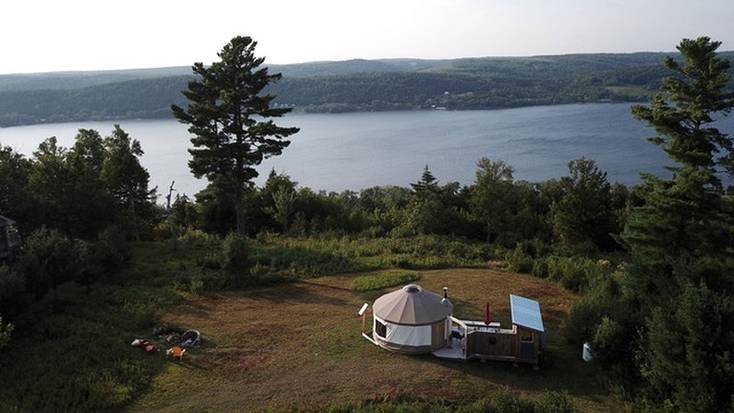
[(353, 85)]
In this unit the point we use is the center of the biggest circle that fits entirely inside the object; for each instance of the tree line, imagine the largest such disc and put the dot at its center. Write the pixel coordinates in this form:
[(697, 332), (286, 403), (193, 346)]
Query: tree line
[(481, 83)]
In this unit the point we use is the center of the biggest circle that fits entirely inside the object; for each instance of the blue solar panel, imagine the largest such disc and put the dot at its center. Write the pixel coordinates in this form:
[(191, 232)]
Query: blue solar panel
[(526, 312)]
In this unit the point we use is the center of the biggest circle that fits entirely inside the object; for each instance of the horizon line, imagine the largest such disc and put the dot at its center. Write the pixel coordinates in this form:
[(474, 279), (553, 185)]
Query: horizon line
[(71, 71)]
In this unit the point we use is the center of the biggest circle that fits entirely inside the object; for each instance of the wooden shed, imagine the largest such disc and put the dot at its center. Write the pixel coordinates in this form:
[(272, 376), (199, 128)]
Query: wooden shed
[(521, 343), (9, 238)]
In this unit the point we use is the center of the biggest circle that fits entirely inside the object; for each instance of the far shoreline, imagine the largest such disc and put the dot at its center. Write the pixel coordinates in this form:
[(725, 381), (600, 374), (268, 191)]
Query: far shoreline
[(304, 111)]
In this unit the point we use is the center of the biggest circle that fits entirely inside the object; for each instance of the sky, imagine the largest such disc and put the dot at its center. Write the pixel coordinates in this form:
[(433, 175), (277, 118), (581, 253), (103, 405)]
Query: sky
[(53, 35)]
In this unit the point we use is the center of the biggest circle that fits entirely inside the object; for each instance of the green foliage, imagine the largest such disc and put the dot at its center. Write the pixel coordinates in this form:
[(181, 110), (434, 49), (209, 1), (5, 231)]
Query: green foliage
[(315, 256), (105, 256), (659, 331), (14, 171), (686, 352), (235, 253), (500, 402), (582, 218), (518, 261), (48, 260), (12, 289), (608, 341), (492, 197), (574, 273), (384, 279), (353, 85), (6, 330), (99, 370), (577, 273), (229, 116), (585, 316), (79, 190)]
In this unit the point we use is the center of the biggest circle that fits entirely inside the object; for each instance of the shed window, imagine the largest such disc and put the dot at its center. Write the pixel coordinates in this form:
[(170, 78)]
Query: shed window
[(526, 338), (380, 328)]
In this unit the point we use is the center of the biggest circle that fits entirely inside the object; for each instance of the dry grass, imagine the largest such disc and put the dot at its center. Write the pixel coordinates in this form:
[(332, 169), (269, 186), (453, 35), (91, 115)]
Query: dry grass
[(299, 345)]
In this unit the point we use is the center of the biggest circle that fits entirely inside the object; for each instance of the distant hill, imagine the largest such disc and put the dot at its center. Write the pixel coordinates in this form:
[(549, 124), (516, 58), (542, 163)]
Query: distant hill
[(351, 85)]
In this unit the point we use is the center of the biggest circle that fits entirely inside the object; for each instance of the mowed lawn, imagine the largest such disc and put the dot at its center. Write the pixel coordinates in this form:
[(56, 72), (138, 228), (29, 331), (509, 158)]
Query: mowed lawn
[(299, 345)]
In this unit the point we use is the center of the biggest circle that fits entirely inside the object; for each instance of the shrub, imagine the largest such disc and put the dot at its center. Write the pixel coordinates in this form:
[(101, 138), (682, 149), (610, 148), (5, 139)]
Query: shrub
[(193, 286), (554, 402), (577, 273), (12, 287), (234, 252), (385, 279), (198, 238), (540, 268), (518, 261), (609, 338), (582, 320), (89, 265), (6, 329), (47, 260), (111, 248)]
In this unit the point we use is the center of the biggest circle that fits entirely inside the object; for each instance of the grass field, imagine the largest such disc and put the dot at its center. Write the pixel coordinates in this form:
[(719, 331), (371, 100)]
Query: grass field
[(283, 346), (298, 345)]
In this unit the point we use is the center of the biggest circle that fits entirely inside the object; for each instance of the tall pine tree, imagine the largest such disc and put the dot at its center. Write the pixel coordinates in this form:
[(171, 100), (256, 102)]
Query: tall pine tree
[(675, 334), (229, 116), (686, 217)]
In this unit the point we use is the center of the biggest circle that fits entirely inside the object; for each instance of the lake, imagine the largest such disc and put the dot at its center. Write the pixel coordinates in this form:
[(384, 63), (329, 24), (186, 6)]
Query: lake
[(357, 150)]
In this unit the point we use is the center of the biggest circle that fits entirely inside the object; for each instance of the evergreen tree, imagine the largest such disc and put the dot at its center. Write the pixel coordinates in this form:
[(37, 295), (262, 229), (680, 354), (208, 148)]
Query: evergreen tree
[(687, 351), (686, 217), (229, 117), (427, 185), (676, 331), (582, 218)]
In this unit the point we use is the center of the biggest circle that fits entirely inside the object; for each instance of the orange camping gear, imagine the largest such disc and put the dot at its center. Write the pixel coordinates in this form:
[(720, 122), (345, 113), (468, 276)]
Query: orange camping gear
[(177, 352)]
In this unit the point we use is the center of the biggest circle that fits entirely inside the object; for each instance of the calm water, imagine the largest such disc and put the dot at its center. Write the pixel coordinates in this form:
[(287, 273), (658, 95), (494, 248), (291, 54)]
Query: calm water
[(358, 150)]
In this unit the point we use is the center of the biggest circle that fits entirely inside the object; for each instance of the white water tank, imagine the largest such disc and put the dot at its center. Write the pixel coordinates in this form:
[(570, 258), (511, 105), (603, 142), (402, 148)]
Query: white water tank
[(586, 354)]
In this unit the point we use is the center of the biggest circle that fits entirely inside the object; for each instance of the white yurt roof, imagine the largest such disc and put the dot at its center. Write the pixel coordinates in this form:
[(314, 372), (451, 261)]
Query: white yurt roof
[(412, 305)]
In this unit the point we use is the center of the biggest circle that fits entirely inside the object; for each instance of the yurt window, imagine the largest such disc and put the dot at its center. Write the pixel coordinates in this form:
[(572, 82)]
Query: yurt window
[(380, 328)]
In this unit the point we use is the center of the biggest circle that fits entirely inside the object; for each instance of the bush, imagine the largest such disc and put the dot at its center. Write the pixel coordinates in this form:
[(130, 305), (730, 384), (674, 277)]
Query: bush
[(193, 286), (12, 288), (540, 268), (385, 279), (234, 253), (582, 320), (602, 300), (47, 260), (6, 329), (197, 237), (576, 273), (609, 341), (518, 261), (554, 402)]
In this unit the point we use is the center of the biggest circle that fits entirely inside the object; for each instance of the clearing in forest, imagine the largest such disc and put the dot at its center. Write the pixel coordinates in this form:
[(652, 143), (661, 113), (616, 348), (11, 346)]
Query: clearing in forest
[(299, 345)]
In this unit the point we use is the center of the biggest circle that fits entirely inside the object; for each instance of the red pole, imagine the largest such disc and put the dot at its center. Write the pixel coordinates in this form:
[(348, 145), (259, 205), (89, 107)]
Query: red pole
[(487, 315)]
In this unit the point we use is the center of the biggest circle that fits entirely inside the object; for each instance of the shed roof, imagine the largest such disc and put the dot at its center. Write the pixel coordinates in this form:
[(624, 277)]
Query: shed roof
[(526, 312), (412, 305), (4, 221)]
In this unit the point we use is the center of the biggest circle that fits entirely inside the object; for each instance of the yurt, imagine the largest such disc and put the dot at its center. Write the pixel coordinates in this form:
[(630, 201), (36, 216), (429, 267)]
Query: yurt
[(412, 320)]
